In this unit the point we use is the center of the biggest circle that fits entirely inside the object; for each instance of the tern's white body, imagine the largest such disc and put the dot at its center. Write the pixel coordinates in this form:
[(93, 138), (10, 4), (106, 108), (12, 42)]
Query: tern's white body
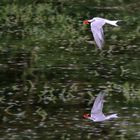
[(97, 29), (96, 111)]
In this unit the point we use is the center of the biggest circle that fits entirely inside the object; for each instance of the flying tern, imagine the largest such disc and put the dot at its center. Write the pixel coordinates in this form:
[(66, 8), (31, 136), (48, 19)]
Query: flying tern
[(96, 25), (96, 111)]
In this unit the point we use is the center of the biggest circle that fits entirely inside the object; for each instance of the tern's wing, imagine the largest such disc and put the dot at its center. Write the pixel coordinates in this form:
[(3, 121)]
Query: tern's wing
[(97, 108), (97, 31)]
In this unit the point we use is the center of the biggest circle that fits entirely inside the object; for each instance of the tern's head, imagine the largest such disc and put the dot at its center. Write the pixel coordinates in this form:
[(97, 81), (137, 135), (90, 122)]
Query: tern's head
[(86, 116)]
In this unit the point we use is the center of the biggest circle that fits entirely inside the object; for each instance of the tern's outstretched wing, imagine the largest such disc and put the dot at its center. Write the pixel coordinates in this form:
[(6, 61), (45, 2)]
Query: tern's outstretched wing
[(97, 108), (97, 31)]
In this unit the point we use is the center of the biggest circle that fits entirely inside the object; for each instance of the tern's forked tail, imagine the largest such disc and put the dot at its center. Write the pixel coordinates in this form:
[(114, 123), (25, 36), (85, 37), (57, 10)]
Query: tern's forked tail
[(112, 116), (112, 22)]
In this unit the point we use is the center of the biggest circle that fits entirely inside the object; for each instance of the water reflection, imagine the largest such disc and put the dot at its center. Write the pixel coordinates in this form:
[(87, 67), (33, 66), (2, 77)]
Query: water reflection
[(37, 109), (67, 123)]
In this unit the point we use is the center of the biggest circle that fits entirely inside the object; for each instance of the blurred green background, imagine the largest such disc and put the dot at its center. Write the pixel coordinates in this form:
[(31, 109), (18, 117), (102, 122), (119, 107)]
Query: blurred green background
[(50, 72)]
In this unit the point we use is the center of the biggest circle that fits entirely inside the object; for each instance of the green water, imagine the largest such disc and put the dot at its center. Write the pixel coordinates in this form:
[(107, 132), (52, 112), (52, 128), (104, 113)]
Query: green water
[(50, 74)]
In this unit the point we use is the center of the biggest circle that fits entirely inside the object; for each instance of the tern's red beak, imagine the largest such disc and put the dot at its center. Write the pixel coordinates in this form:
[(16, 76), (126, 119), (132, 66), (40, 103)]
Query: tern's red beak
[(85, 22)]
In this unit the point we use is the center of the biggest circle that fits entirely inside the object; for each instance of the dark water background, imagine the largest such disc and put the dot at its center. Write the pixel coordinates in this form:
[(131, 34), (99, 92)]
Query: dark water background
[(50, 73)]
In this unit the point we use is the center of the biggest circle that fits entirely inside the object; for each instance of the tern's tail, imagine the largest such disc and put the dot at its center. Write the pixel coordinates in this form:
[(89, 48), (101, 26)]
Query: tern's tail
[(112, 116), (114, 22)]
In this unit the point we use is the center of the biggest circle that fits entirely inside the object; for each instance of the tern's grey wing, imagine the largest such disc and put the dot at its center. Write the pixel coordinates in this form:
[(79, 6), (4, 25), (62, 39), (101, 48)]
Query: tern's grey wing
[(98, 104), (98, 37), (97, 31)]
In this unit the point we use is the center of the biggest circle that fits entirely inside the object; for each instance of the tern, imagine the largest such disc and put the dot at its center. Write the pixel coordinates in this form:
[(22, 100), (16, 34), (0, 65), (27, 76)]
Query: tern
[(96, 111), (96, 25)]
